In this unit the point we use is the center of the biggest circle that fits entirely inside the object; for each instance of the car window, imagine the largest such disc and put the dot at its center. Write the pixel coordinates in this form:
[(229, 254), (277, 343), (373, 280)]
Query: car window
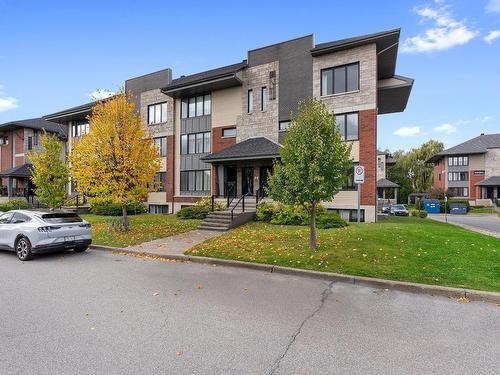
[(5, 218), (19, 218), (61, 218)]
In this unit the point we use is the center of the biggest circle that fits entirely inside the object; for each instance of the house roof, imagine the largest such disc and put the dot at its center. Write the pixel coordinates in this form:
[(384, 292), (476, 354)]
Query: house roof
[(490, 181), (478, 145), (19, 171), (252, 148), (218, 78), (36, 124), (70, 113), (384, 183)]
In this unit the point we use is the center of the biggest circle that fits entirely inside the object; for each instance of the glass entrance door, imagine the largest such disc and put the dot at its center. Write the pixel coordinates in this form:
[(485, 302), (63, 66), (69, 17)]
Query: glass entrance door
[(247, 181)]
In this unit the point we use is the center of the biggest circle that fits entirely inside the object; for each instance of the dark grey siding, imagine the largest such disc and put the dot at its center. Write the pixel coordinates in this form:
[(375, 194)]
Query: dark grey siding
[(295, 71), (151, 81), (196, 124)]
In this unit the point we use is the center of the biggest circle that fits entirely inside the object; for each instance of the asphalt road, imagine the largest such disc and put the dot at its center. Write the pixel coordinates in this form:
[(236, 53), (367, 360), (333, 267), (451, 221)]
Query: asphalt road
[(488, 223), (98, 313)]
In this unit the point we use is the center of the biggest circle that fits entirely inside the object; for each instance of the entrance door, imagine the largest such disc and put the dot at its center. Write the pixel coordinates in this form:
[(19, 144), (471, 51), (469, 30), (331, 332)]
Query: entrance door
[(264, 175), (230, 180), (247, 181), (489, 192)]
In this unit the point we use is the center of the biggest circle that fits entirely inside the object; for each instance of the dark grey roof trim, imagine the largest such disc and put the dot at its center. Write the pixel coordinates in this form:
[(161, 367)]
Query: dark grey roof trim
[(23, 171), (36, 124), (490, 181), (394, 98), (70, 111), (384, 183), (249, 149), (341, 44)]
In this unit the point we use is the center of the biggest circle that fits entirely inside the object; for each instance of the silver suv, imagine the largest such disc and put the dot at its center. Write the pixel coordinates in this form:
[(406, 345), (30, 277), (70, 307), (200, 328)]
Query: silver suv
[(30, 232)]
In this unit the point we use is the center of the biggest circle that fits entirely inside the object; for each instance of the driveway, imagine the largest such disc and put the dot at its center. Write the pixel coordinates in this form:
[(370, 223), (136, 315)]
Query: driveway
[(99, 313), (487, 224)]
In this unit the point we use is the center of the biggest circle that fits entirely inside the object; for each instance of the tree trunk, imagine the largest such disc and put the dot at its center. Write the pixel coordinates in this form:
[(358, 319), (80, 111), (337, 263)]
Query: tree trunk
[(125, 218), (313, 243)]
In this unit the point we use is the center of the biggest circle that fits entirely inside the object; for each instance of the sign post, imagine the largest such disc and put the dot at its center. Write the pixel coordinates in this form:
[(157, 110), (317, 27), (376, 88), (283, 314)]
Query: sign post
[(445, 208), (359, 178)]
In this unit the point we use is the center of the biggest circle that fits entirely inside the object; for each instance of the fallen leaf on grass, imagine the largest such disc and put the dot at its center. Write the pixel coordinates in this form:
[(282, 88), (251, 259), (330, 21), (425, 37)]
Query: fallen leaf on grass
[(179, 354), (156, 294), (199, 286), (463, 300)]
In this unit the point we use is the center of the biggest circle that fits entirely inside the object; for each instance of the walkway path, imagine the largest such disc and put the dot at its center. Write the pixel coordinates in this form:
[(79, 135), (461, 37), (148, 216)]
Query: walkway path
[(174, 245)]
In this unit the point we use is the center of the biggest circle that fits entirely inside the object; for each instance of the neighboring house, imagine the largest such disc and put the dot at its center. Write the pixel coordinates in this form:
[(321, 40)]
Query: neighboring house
[(387, 191), (470, 170), (17, 140), (219, 131)]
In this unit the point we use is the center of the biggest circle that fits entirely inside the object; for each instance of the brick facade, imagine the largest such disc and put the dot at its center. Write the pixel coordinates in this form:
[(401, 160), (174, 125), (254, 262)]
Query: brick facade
[(368, 155), (473, 189), (438, 171)]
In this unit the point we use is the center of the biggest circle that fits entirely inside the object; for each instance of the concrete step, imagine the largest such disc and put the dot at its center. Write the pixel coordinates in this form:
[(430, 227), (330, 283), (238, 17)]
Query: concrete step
[(217, 221), (203, 226)]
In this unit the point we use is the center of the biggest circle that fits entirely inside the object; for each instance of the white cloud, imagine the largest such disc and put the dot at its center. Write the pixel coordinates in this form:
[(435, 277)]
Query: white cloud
[(408, 131), (492, 35), (445, 32), (7, 102), (493, 6), (100, 94), (484, 119), (445, 128)]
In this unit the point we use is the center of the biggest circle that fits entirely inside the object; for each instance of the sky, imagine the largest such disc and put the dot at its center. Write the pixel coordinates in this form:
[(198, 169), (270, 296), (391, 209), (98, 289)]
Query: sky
[(57, 54)]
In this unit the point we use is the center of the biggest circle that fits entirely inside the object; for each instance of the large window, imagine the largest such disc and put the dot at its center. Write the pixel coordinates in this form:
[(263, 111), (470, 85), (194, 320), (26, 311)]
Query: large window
[(348, 124), (4, 140), (157, 113), (349, 179), (458, 161), (195, 180), (459, 191), (349, 215), (340, 79), (197, 143), (161, 143), (196, 106), (161, 181), (458, 176), (158, 209), (283, 125), (30, 143), (250, 101), (265, 99), (80, 128)]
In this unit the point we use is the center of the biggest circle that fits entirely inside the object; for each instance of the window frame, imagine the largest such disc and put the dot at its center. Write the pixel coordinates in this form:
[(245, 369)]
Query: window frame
[(159, 109), (345, 125), (333, 69), (161, 143), (250, 101), (228, 136), (192, 107), (264, 98), (201, 178), (189, 143)]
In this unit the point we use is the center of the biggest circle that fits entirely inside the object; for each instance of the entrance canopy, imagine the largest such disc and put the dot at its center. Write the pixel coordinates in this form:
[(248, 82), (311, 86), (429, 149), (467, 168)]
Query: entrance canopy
[(249, 149), (22, 171), (490, 181)]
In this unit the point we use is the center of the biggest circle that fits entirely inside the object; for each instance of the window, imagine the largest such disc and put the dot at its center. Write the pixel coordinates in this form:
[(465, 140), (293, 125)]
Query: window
[(479, 173), (161, 181), (35, 137), (30, 143), (80, 128), (458, 176), (458, 161), (340, 79), (196, 143), (250, 101), (5, 218), (161, 143), (4, 140), (283, 125), (229, 132), (19, 218), (158, 209), (349, 179), (157, 113), (349, 215), (195, 180), (264, 99), (459, 191), (348, 125), (196, 106)]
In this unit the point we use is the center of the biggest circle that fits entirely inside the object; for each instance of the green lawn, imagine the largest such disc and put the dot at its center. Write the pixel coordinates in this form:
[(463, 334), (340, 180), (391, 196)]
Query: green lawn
[(143, 228), (482, 210), (406, 249)]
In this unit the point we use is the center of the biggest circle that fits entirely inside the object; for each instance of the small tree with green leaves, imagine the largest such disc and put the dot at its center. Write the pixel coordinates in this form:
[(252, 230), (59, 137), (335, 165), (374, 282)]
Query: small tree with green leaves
[(49, 171), (314, 161)]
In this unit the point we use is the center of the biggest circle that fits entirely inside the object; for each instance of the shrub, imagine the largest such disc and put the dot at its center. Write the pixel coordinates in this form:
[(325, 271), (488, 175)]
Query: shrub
[(289, 215), (206, 202), (419, 213), (193, 212), (265, 211), (330, 220), (17, 204), (113, 209)]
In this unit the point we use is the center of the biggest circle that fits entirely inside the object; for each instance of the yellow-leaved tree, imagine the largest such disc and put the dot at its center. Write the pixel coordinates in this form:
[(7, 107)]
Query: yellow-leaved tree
[(117, 161)]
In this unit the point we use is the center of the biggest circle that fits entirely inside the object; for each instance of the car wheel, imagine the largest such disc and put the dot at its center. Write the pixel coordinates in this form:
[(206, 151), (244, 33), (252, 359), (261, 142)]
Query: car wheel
[(81, 249), (23, 249)]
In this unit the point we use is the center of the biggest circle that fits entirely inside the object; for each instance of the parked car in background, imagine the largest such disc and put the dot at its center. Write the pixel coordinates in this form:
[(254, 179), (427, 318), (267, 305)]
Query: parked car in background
[(386, 208), (399, 210), (36, 232)]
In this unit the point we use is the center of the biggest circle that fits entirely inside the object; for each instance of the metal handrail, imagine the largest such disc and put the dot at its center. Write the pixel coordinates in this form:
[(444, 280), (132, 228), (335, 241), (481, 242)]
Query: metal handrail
[(242, 199), (230, 193)]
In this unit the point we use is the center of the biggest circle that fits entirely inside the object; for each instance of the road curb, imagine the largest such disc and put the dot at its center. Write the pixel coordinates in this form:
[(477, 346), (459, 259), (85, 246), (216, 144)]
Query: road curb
[(435, 290)]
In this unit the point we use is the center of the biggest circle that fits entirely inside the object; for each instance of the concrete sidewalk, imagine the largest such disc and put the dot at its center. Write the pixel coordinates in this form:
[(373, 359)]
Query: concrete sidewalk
[(174, 245)]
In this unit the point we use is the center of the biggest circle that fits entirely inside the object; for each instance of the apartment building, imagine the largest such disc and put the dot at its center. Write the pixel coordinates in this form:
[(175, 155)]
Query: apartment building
[(220, 130), (17, 140), (470, 170)]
